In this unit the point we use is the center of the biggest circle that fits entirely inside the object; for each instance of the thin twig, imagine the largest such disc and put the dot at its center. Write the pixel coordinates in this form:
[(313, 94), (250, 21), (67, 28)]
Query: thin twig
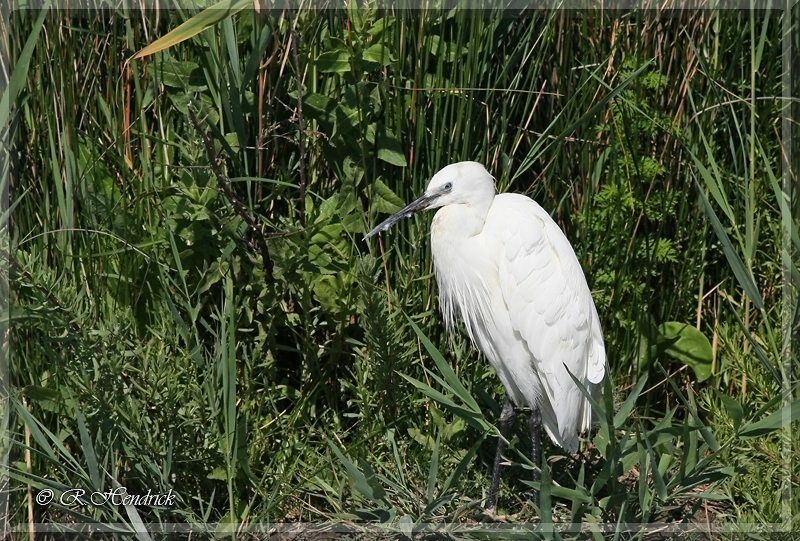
[(257, 239)]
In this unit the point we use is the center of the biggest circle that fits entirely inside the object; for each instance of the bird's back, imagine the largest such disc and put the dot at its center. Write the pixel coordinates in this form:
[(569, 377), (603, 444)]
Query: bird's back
[(550, 324)]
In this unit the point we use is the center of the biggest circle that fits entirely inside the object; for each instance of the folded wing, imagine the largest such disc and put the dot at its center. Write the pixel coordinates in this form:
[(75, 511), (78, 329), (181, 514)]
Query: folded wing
[(551, 309)]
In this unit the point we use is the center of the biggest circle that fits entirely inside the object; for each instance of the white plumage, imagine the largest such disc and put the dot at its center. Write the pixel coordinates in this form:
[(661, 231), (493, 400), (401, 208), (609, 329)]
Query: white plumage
[(507, 271)]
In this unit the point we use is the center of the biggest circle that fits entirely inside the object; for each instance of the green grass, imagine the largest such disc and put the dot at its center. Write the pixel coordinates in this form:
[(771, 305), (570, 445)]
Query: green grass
[(151, 347)]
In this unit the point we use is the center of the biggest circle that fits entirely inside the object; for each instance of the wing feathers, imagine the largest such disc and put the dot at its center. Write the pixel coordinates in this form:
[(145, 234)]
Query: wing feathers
[(551, 309)]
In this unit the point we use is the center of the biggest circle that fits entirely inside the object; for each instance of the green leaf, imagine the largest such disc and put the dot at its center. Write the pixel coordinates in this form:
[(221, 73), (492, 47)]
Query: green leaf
[(732, 406), (390, 150), (423, 439), (206, 18), (384, 199), (331, 114), (433, 469), (577, 494), (21, 65), (772, 422), (743, 275), (447, 372), (459, 470), (364, 483), (218, 474), (233, 141), (379, 54), (322, 107), (176, 73), (36, 433), (627, 406), (690, 406), (40, 394), (546, 492), (213, 275), (327, 290), (446, 50), (472, 418), (88, 450), (687, 345), (335, 61)]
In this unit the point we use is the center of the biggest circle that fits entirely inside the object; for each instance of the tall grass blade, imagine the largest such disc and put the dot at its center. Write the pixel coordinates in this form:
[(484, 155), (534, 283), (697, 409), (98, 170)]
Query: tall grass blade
[(20, 73), (205, 19), (627, 406), (369, 489), (743, 276), (88, 451), (447, 372), (772, 422)]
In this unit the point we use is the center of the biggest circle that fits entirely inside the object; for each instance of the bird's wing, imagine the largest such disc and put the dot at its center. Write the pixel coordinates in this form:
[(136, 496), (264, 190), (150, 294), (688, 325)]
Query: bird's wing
[(550, 307)]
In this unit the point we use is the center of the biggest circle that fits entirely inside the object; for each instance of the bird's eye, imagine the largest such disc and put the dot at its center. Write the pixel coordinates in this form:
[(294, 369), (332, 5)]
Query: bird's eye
[(448, 186)]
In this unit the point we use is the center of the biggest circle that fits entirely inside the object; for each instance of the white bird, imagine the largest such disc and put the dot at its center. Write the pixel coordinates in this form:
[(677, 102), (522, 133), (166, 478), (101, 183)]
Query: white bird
[(507, 270)]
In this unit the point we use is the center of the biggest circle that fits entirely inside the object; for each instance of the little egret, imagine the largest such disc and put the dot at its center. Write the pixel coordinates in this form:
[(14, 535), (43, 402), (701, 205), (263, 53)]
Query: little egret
[(505, 267)]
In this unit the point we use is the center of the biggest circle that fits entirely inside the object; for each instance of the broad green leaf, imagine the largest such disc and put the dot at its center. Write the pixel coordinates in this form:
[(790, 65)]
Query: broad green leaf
[(390, 150), (213, 275), (379, 54), (446, 50), (384, 199), (233, 141), (335, 61), (206, 18), (320, 107), (688, 345), (176, 73), (218, 474), (380, 25), (418, 436), (333, 116), (327, 290)]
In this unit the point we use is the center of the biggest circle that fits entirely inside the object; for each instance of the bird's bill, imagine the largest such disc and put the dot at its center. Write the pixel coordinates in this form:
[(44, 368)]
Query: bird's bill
[(419, 204)]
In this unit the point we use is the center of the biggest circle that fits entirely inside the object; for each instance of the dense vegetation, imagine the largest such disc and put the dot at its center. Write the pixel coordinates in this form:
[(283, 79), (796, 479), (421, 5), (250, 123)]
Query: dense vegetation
[(192, 305)]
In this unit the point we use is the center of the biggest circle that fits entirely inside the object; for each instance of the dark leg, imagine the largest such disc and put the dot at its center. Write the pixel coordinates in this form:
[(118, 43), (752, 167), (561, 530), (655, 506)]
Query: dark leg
[(506, 417), (536, 448)]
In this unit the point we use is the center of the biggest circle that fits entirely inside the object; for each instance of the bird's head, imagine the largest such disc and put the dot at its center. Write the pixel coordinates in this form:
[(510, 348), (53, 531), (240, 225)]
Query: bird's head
[(462, 183)]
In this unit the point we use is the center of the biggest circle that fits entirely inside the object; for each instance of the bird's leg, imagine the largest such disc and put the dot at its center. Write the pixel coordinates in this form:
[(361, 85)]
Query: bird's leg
[(506, 417), (536, 448)]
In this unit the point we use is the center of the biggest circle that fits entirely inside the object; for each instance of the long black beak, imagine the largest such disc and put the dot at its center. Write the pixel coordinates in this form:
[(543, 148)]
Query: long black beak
[(419, 204)]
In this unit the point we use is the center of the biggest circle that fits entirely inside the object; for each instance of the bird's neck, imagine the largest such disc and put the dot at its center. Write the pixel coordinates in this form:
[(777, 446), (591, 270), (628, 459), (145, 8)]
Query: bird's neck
[(461, 220)]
